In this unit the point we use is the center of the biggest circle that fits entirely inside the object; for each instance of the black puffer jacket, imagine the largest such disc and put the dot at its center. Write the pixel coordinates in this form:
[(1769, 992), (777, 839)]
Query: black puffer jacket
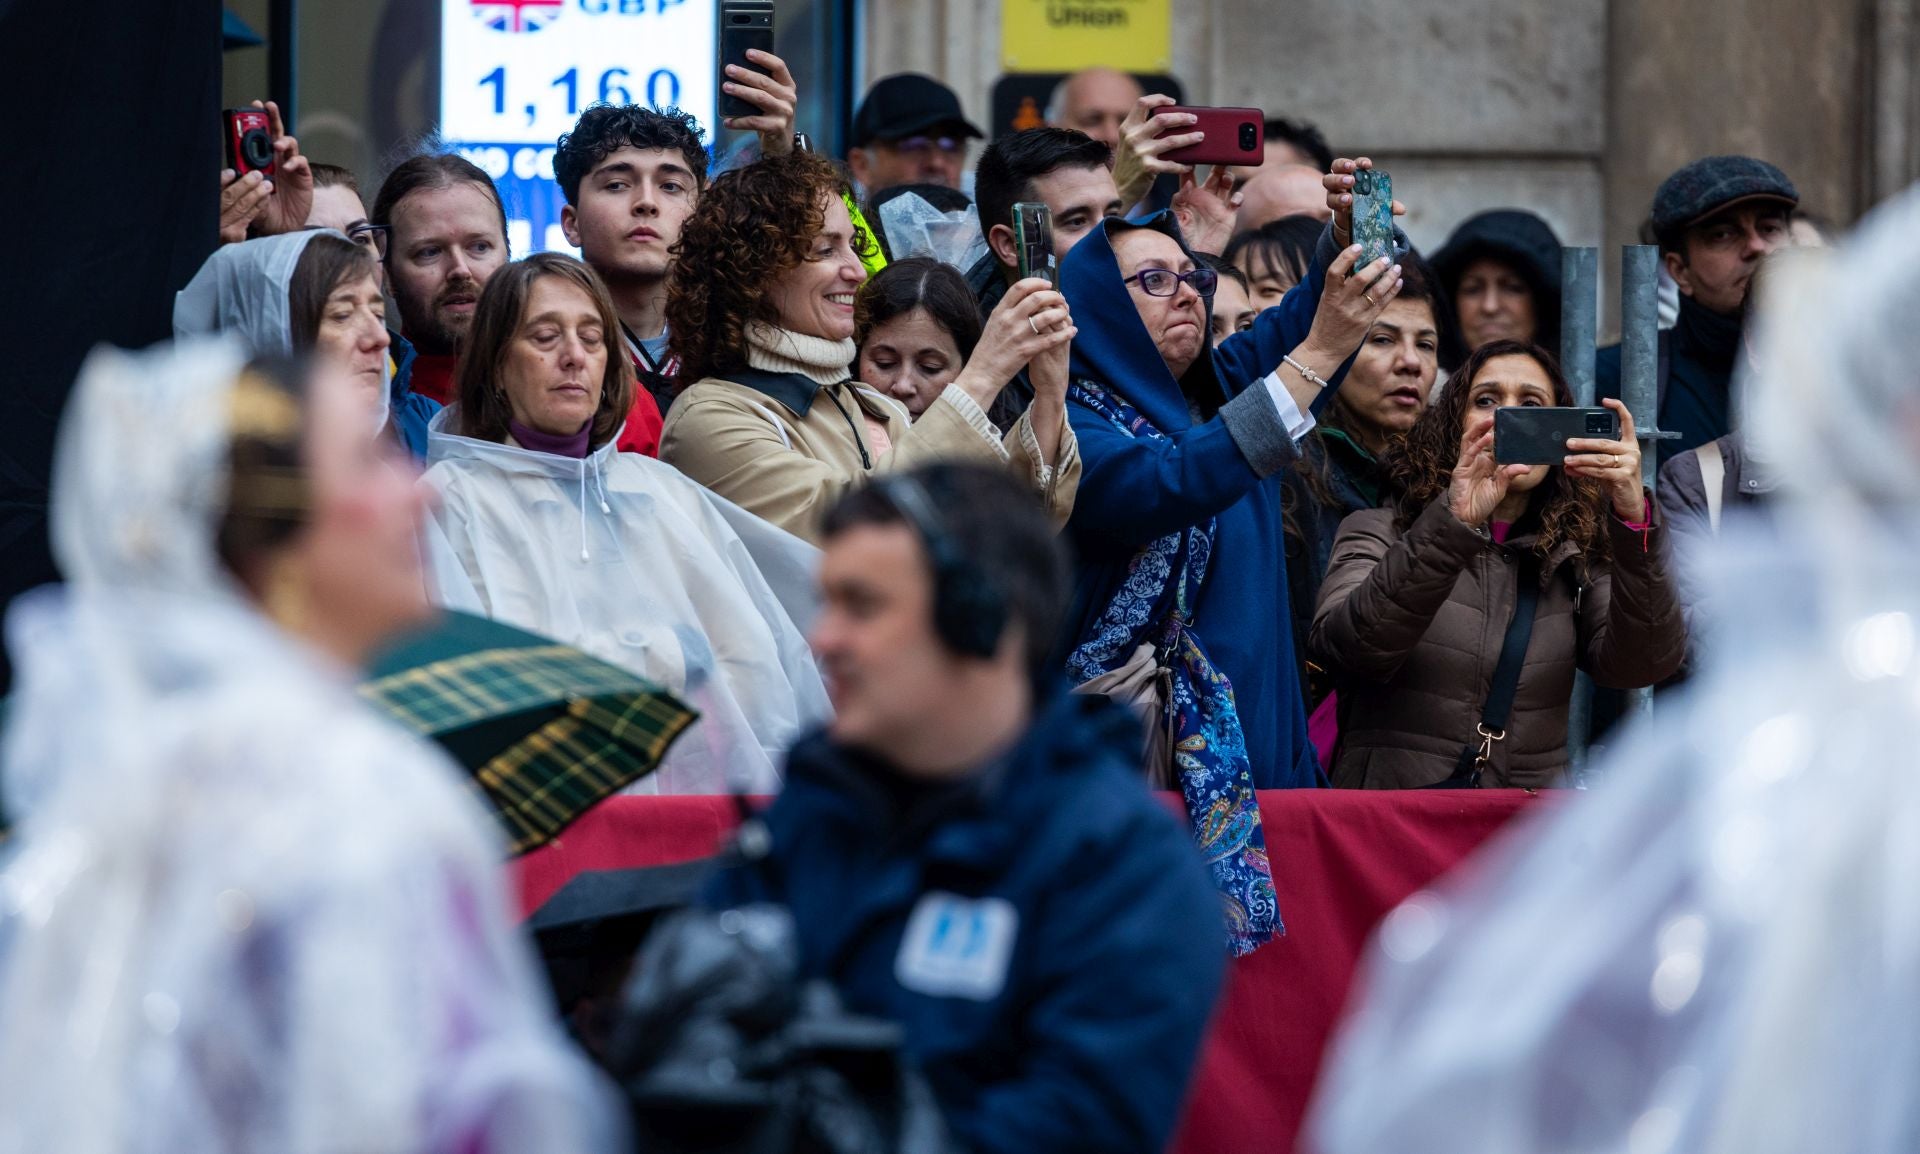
[(1521, 239)]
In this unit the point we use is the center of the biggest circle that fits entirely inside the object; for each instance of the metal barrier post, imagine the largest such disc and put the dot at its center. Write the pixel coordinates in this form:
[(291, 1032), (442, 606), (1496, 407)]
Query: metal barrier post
[(1579, 309), (1639, 376)]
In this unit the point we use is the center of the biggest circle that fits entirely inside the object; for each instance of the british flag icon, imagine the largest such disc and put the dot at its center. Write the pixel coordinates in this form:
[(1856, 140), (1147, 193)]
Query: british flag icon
[(517, 15)]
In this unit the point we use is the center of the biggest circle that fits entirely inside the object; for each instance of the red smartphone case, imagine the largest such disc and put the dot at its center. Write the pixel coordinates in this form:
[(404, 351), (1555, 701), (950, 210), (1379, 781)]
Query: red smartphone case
[(1234, 135)]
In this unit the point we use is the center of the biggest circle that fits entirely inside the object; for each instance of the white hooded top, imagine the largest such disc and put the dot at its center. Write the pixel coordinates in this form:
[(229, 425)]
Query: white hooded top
[(239, 912), (1716, 950), (630, 560), (242, 290)]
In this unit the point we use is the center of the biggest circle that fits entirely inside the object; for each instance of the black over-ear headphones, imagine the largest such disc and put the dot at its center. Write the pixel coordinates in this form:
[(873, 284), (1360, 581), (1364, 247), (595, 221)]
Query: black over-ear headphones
[(969, 608)]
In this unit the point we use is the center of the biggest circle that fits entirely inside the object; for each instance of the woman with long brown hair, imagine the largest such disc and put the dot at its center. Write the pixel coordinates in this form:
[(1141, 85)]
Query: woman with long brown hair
[(1419, 597), (762, 312), (543, 523)]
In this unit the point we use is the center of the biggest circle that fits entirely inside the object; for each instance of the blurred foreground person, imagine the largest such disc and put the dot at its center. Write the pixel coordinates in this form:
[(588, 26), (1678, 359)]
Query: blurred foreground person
[(240, 912), (1715, 949), (975, 857), (543, 524)]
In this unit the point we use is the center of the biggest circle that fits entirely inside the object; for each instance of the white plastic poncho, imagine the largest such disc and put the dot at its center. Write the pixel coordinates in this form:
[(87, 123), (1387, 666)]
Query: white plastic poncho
[(632, 561), (242, 290), (238, 913), (1717, 950), (915, 228)]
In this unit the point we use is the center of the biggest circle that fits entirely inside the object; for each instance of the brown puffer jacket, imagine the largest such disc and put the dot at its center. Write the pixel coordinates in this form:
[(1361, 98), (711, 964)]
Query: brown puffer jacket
[(1411, 627)]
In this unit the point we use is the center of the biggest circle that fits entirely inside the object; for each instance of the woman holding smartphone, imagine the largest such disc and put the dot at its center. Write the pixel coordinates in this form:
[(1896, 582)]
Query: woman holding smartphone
[(1420, 597)]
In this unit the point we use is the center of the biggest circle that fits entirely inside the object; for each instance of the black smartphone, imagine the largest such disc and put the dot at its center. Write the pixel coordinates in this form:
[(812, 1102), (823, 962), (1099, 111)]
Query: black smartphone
[(744, 24), (1523, 436), (1033, 239)]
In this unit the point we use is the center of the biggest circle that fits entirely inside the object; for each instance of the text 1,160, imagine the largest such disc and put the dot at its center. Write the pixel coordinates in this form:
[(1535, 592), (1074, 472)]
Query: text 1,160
[(661, 89)]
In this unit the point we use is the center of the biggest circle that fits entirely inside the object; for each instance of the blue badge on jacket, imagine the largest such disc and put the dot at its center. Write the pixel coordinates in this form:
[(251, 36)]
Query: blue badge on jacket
[(957, 947)]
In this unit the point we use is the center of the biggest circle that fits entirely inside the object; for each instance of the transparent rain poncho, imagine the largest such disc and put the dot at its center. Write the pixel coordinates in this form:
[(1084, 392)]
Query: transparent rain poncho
[(915, 228), (1716, 949), (238, 911), (634, 562)]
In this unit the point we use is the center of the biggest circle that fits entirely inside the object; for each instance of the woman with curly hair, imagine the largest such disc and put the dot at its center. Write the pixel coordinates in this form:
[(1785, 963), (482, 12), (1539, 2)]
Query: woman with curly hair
[(1420, 596), (762, 316)]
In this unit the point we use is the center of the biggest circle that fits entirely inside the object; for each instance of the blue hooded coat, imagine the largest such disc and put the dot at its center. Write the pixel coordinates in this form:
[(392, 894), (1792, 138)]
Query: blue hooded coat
[(411, 411), (1227, 466)]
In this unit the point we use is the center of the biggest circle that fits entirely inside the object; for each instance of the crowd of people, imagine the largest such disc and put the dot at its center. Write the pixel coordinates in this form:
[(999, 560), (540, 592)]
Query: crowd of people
[(956, 561)]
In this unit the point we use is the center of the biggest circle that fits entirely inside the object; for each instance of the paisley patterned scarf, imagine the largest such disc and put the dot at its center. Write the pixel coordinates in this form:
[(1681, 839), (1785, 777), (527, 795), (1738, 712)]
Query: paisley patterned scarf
[(1155, 603)]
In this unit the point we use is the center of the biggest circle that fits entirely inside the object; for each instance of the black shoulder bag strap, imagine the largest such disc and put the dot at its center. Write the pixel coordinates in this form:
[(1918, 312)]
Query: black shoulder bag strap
[(1476, 755)]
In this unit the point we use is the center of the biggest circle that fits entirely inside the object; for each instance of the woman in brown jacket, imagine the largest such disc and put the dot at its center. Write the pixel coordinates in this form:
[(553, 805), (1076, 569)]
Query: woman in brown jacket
[(1418, 598)]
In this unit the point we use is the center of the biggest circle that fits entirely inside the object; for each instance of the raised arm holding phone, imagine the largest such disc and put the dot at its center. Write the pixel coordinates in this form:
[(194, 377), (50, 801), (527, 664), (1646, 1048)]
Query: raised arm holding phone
[(1420, 598)]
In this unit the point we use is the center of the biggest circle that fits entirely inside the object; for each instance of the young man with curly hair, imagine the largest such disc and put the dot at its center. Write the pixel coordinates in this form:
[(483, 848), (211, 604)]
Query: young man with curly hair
[(632, 175)]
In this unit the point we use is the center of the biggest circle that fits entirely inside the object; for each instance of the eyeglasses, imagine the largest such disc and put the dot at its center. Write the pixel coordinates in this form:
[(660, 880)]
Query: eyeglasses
[(372, 237), (1164, 282), (920, 145)]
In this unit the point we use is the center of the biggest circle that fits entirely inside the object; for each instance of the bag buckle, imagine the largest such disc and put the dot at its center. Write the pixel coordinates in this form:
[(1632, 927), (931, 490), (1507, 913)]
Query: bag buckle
[(1487, 738)]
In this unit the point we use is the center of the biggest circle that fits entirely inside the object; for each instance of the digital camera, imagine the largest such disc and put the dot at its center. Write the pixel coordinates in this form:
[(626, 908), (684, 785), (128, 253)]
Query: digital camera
[(249, 136)]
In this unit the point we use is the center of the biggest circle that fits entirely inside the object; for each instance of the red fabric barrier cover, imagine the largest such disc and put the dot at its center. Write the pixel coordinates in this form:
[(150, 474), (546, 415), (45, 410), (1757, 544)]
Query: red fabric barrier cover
[(1342, 859)]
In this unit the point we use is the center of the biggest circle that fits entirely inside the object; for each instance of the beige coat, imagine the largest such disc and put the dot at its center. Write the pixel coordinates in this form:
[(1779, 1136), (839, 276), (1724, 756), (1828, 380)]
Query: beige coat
[(787, 455)]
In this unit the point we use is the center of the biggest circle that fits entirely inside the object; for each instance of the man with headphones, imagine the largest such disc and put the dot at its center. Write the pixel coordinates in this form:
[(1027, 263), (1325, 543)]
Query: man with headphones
[(970, 851)]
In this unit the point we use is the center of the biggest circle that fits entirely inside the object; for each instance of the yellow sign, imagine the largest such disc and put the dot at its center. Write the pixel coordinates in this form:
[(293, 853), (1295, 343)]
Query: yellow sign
[(1068, 35)]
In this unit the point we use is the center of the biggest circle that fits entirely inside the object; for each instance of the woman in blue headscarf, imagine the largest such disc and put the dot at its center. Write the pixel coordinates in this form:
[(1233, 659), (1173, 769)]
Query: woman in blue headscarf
[(1178, 523)]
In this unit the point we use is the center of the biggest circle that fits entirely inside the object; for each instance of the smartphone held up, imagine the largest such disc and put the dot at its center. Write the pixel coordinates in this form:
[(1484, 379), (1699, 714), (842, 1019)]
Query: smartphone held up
[(1033, 240), (744, 25), (1373, 216), (1539, 436), (1235, 136)]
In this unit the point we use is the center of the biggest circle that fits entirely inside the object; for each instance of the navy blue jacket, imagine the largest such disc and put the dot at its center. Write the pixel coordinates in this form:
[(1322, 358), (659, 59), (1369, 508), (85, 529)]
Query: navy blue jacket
[(411, 411), (1116, 962), (1227, 466)]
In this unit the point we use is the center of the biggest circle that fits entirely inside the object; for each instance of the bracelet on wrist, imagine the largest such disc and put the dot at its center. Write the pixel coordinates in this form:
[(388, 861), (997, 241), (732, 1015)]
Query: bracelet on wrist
[(1313, 378)]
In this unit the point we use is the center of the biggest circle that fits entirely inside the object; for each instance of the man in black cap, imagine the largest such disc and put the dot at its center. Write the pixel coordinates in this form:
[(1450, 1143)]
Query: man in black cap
[(1714, 220), (909, 130)]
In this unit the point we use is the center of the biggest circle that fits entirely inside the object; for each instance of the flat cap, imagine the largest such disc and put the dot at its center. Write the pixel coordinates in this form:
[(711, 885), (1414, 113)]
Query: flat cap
[(1711, 184)]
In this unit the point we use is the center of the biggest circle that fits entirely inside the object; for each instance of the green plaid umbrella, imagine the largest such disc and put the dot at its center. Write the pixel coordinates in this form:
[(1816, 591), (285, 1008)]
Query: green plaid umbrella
[(546, 730)]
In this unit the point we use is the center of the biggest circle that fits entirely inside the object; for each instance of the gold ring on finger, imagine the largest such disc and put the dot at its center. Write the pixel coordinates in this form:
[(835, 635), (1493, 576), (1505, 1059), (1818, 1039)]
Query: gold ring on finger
[(1370, 300), (1032, 324)]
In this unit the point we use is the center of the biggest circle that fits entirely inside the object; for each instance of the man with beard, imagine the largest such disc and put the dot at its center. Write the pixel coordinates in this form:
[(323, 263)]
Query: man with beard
[(448, 234), (632, 175)]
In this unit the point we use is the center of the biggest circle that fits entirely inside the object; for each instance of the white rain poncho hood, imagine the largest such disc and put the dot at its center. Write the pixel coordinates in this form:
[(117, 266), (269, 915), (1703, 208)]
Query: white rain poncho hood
[(242, 290), (1717, 949), (238, 912), (630, 560)]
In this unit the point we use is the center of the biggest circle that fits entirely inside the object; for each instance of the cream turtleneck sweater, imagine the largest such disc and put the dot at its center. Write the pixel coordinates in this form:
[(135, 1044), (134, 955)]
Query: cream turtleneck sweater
[(773, 349)]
